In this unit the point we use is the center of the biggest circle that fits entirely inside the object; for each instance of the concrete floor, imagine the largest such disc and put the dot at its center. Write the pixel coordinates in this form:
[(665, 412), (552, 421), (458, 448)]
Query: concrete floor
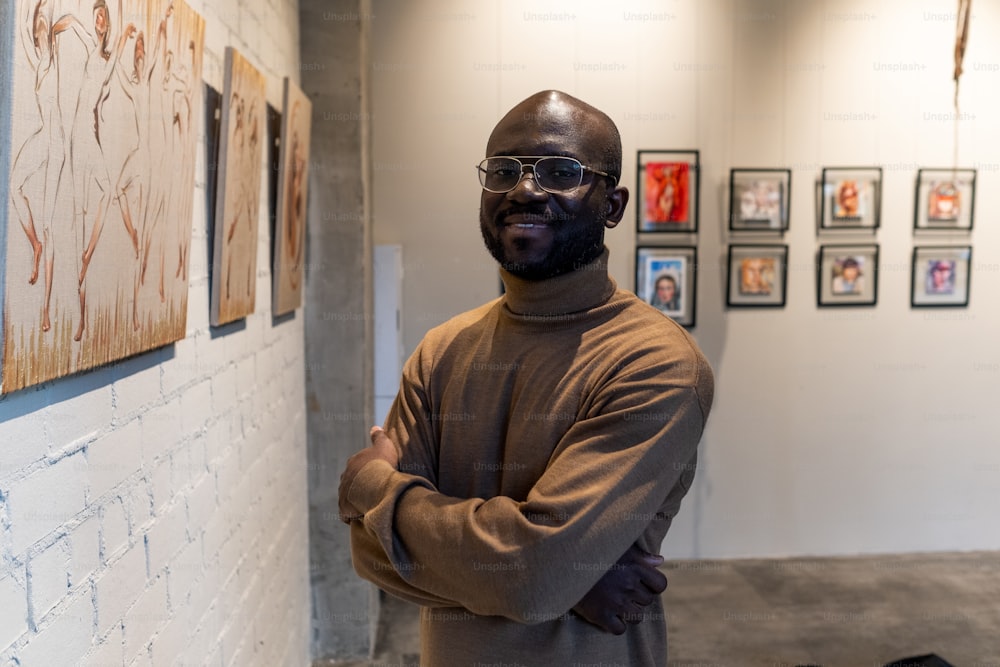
[(834, 612)]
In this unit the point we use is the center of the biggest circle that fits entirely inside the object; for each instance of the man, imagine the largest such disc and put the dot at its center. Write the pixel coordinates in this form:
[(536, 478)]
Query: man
[(540, 444)]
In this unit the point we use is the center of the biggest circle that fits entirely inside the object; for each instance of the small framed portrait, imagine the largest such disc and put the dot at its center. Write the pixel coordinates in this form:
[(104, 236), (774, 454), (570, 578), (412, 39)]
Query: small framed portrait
[(668, 192), (945, 199), (851, 197), (665, 278), (757, 276), (941, 276), (848, 275), (758, 199)]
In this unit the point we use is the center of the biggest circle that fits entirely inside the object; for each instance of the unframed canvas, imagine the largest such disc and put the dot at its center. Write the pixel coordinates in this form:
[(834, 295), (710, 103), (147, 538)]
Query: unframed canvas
[(234, 269), (99, 102), (293, 177)]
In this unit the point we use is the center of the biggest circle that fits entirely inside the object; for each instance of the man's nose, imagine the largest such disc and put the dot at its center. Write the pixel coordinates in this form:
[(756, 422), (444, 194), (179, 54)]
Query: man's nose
[(527, 187)]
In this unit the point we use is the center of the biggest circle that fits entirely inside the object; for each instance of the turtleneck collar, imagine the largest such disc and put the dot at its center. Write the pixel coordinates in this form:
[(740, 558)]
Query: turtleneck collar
[(573, 292)]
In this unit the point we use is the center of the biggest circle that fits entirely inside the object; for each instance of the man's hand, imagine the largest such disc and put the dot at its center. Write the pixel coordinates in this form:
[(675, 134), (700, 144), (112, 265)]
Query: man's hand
[(618, 598), (381, 448)]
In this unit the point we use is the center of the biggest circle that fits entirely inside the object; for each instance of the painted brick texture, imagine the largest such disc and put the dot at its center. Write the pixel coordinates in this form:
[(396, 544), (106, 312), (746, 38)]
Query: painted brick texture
[(154, 511)]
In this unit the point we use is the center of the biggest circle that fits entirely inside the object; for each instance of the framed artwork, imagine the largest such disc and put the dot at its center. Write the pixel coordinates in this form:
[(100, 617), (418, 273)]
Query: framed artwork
[(668, 191), (99, 111), (665, 278), (757, 276), (945, 199), (759, 199), (851, 198), (848, 275), (293, 177), (941, 276), (237, 203)]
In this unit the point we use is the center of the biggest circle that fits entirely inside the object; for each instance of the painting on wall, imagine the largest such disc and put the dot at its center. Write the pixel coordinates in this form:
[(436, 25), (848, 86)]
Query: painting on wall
[(668, 191), (234, 268), (293, 178), (758, 276), (665, 278), (99, 103)]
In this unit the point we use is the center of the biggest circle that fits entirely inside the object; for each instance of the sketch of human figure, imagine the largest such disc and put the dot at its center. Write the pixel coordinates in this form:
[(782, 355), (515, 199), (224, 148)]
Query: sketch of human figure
[(143, 167), (102, 106), (182, 103), (92, 192), (296, 205), (163, 83), (293, 175), (241, 228), (238, 202), (43, 153)]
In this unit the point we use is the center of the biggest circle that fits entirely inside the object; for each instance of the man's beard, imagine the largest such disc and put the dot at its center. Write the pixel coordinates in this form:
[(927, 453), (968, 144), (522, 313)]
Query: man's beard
[(571, 248)]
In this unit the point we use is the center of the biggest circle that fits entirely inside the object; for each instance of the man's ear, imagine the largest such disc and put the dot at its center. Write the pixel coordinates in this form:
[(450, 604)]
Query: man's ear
[(617, 201)]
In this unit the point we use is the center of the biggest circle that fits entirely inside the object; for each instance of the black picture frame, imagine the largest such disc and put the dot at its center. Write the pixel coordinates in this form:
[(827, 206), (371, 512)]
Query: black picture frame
[(945, 199), (847, 275), (851, 198), (757, 276), (677, 264), (941, 276), (668, 186), (759, 199)]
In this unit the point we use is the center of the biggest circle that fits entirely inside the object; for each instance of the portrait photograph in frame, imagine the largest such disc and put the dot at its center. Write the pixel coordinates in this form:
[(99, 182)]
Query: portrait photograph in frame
[(667, 183), (851, 197), (941, 276), (665, 278), (759, 199), (945, 199), (848, 275), (758, 276)]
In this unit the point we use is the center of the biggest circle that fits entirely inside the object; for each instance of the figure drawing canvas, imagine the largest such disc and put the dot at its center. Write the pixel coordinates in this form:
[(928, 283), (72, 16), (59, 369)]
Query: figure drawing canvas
[(99, 103), (234, 269), (293, 177)]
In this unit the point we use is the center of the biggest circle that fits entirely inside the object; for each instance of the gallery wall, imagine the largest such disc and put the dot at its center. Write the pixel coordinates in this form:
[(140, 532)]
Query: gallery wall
[(835, 430), (155, 509)]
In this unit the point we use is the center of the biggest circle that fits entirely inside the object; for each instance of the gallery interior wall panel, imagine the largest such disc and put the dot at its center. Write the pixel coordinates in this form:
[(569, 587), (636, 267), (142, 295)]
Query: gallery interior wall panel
[(825, 418)]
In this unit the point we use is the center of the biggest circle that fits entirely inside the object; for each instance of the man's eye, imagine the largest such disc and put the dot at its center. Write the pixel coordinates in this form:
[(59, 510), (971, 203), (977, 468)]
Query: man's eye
[(505, 172)]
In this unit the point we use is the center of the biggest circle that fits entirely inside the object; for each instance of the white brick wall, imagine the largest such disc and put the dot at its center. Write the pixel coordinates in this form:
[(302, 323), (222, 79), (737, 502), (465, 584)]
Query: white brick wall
[(154, 512)]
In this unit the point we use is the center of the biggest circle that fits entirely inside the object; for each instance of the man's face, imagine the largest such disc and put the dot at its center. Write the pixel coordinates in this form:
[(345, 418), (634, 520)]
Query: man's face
[(536, 234)]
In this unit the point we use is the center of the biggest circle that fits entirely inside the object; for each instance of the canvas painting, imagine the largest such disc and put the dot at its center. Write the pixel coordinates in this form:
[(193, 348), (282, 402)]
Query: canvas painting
[(293, 177), (237, 209), (667, 192), (99, 101)]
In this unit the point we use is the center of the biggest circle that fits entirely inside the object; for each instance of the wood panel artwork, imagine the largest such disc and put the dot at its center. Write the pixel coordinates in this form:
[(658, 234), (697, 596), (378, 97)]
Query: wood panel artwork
[(293, 177), (99, 104), (234, 268)]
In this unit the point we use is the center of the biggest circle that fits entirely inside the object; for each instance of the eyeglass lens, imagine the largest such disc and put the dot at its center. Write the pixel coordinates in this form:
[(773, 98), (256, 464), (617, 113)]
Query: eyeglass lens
[(554, 174)]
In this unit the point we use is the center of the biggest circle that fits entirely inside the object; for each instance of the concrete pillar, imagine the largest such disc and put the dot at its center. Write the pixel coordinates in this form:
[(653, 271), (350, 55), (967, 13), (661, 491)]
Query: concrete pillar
[(338, 311)]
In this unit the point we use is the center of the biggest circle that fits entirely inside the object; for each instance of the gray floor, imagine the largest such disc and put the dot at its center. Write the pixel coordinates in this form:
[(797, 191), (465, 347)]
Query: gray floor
[(834, 612)]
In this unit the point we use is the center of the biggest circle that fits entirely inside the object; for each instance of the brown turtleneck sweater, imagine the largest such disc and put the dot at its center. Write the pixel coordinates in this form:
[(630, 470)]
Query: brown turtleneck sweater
[(540, 436)]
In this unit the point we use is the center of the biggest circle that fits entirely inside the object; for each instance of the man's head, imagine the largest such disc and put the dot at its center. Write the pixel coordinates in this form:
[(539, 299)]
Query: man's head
[(538, 234)]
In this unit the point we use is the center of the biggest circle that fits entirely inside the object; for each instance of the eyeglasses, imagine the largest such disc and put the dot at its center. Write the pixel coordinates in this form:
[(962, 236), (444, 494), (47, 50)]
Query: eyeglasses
[(502, 173)]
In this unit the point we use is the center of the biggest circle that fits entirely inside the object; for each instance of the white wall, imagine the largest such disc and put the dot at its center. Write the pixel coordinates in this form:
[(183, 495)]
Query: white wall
[(835, 431), (155, 509)]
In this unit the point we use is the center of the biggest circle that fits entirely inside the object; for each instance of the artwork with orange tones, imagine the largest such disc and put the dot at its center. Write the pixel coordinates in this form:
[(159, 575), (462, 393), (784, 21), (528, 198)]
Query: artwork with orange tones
[(99, 106), (293, 177), (667, 185), (237, 208), (667, 192)]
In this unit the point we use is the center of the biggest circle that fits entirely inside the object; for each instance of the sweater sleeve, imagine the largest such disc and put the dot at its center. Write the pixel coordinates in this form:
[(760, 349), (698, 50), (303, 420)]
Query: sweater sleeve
[(532, 560)]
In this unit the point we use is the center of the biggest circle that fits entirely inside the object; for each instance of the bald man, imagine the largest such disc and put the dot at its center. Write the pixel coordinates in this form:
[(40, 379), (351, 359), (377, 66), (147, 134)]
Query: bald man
[(540, 445)]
